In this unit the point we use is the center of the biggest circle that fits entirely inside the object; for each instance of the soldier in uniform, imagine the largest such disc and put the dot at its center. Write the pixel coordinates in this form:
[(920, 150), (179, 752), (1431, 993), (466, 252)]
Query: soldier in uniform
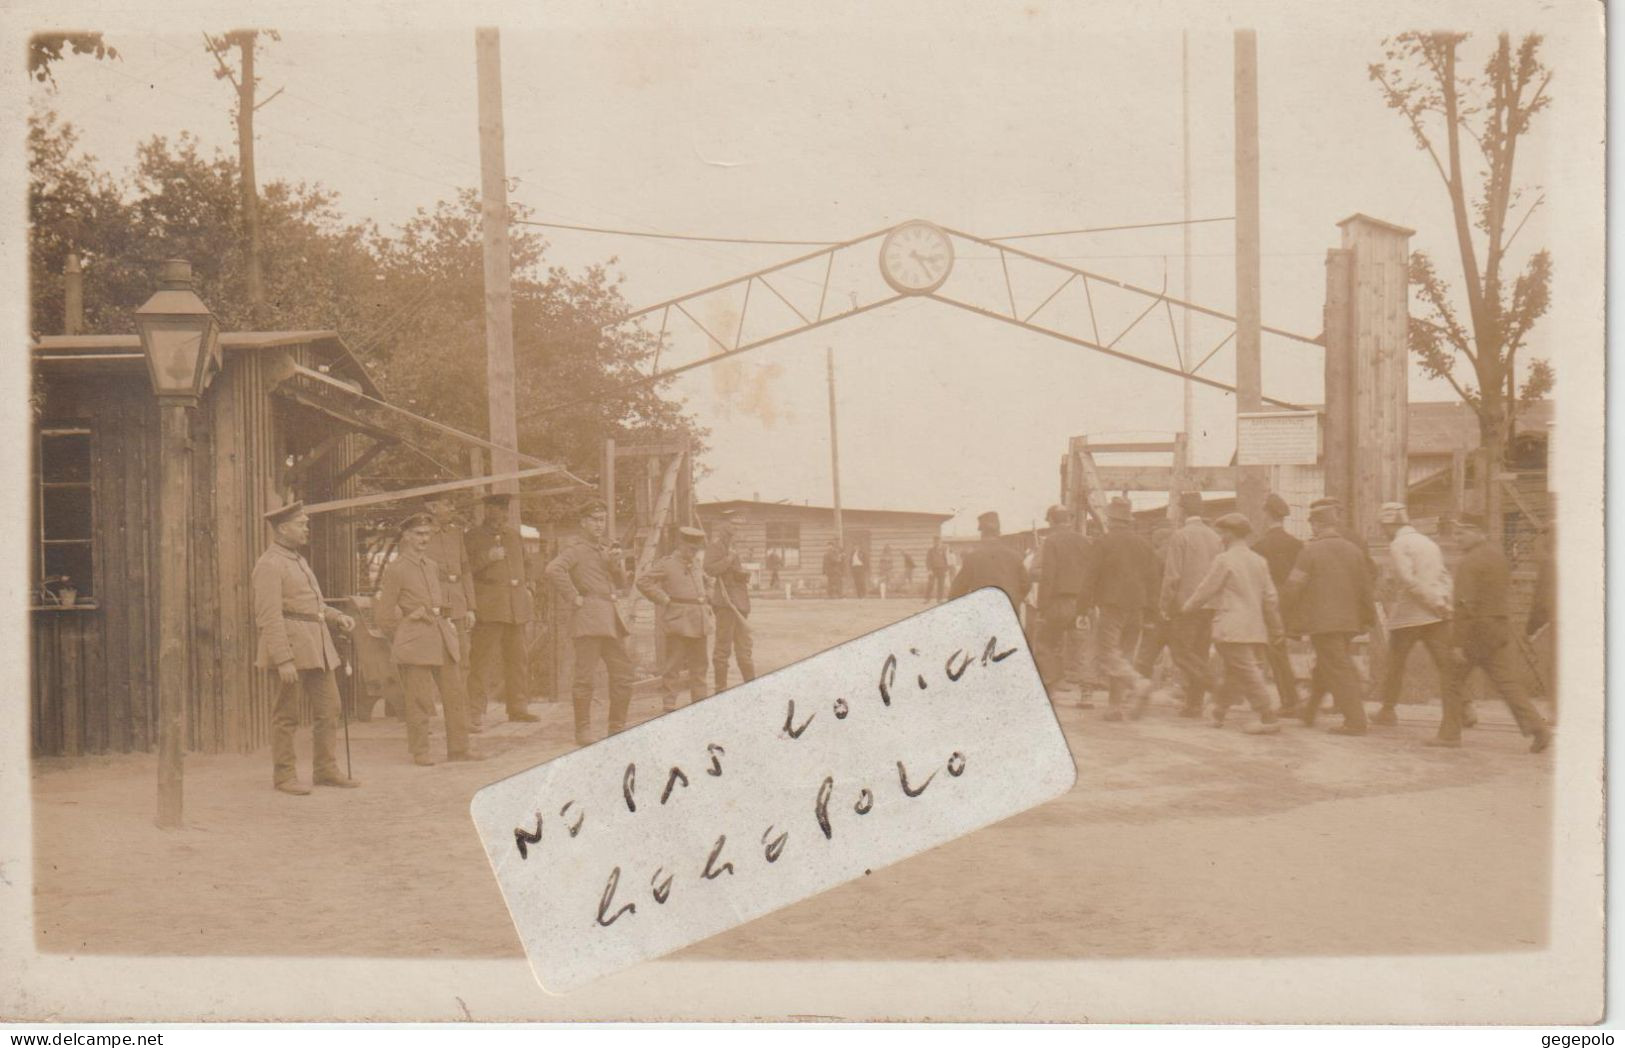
[(291, 621), (1246, 618), (1190, 553), (1062, 567), (1330, 591), (502, 604), (1122, 584), (450, 554), (1419, 607), (415, 608), (992, 563), (676, 585), (730, 596), (586, 576), (1280, 551), (1484, 637)]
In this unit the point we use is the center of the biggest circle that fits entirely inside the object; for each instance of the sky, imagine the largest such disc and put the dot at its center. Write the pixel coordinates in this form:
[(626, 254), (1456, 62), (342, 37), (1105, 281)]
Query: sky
[(825, 124)]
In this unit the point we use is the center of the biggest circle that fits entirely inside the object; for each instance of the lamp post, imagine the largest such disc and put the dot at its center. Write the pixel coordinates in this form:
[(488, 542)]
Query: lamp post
[(181, 341)]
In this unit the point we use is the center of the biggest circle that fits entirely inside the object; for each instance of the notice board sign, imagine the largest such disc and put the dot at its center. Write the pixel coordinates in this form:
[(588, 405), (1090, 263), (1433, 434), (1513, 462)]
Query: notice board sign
[(784, 787), (1278, 438)]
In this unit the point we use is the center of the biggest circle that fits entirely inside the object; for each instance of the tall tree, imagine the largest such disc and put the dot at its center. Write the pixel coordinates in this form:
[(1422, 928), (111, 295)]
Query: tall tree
[(245, 83), (1420, 79), (46, 49)]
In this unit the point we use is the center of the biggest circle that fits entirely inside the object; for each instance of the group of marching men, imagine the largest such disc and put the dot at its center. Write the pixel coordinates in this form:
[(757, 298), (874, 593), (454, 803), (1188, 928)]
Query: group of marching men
[(1214, 586), (455, 601)]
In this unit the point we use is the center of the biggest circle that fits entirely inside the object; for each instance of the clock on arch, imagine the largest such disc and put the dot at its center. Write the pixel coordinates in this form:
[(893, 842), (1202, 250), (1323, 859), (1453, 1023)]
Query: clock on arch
[(916, 258)]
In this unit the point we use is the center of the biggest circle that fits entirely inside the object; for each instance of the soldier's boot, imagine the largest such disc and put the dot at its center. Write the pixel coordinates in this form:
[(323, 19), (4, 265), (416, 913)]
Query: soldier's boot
[(1385, 716)]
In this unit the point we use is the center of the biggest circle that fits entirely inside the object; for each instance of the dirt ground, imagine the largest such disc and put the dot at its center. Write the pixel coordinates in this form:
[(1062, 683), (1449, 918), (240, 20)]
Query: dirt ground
[(1178, 841)]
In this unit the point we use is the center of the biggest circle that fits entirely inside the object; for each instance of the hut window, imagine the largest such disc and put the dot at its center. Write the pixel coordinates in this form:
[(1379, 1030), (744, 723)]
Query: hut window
[(785, 536), (65, 507)]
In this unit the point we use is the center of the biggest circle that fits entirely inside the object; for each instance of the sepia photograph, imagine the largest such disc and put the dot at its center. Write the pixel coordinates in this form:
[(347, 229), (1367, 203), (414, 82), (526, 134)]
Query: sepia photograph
[(413, 398)]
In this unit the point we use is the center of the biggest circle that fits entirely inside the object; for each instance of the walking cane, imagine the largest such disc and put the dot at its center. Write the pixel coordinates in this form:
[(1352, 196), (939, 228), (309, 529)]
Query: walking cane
[(344, 713)]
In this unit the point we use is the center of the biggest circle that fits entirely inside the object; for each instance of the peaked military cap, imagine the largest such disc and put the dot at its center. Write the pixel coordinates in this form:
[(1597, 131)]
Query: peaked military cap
[(277, 516)]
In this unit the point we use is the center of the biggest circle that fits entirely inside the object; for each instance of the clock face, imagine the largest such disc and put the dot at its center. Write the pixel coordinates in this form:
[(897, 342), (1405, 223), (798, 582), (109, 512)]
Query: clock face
[(916, 257)]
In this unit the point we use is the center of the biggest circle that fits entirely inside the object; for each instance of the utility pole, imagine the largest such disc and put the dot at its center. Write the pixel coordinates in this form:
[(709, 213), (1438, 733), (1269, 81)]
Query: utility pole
[(499, 372), (1252, 482), (245, 82), (834, 445), (1188, 423)]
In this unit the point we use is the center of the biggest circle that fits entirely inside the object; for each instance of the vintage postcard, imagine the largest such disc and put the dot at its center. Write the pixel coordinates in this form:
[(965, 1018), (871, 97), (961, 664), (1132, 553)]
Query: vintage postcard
[(503, 496)]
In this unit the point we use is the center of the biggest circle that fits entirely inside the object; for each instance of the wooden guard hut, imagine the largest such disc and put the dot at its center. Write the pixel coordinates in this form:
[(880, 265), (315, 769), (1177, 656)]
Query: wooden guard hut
[(275, 424)]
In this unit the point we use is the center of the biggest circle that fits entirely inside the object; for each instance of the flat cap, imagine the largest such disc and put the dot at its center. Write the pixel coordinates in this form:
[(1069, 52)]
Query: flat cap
[(988, 521), (691, 534), (1120, 509), (1329, 502), (1276, 506), (1393, 513), (1058, 514), (283, 513), (1235, 524), (1191, 503)]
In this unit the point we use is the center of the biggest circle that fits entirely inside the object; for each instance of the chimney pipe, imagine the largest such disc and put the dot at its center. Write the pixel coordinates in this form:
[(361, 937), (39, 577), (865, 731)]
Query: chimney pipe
[(73, 296)]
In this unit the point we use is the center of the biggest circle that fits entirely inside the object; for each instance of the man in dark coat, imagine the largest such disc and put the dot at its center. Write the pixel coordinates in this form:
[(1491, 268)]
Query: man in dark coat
[(992, 563), (834, 568), (1331, 593), (502, 600), (1122, 583), (1062, 565), (730, 596), (1482, 634), (1280, 551), (676, 585), (588, 578)]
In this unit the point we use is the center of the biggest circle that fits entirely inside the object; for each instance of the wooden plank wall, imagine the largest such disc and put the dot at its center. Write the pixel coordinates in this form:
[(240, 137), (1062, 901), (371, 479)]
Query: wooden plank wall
[(94, 670)]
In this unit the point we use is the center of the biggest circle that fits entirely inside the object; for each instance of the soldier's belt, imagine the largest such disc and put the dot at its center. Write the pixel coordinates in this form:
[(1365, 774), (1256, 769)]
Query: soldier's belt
[(300, 616)]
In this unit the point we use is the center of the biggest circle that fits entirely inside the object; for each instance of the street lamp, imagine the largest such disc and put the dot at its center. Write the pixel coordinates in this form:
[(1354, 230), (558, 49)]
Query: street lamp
[(180, 337), (181, 340)]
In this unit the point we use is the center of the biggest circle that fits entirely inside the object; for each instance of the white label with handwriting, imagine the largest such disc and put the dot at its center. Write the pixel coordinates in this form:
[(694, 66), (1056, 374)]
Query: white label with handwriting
[(824, 771)]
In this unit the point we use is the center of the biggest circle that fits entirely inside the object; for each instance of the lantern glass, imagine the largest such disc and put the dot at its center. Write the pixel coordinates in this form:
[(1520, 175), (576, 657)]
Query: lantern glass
[(181, 352)]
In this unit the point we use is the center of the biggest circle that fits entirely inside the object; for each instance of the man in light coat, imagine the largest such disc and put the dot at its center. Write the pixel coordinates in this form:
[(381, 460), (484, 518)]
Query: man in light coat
[(1280, 550), (676, 585), (291, 620), (588, 578), (1418, 609), (1246, 619), (1190, 553), (416, 610)]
